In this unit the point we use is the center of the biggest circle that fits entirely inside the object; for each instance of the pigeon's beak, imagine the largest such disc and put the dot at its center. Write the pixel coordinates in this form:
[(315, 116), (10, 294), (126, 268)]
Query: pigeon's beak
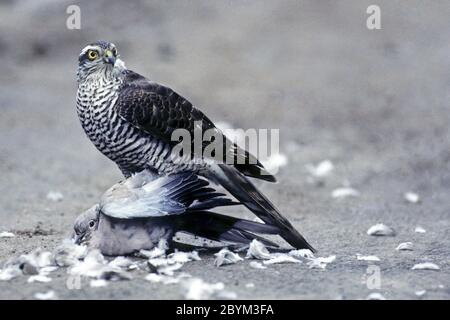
[(109, 57), (78, 238)]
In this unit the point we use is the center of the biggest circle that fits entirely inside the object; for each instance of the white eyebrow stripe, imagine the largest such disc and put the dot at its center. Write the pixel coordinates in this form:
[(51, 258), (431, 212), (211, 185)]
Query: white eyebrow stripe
[(89, 48)]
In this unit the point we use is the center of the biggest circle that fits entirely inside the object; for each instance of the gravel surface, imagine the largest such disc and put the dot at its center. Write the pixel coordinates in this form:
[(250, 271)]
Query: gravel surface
[(375, 103)]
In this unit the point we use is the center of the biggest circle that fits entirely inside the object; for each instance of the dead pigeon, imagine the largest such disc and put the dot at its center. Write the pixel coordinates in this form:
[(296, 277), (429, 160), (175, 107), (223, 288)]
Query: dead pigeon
[(140, 211)]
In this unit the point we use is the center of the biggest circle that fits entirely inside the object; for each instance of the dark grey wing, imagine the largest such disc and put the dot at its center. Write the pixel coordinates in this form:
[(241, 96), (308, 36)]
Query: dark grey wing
[(219, 227), (158, 110), (167, 195)]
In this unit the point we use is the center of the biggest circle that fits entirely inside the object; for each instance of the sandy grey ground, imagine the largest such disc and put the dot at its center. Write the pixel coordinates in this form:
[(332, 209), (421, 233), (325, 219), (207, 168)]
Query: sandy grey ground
[(373, 102)]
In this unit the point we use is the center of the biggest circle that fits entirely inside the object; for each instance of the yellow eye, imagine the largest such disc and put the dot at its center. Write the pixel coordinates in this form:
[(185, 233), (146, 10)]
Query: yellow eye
[(92, 54)]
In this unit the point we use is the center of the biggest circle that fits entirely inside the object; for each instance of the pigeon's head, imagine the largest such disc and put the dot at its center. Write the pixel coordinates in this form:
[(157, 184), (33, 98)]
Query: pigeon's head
[(86, 224), (99, 60)]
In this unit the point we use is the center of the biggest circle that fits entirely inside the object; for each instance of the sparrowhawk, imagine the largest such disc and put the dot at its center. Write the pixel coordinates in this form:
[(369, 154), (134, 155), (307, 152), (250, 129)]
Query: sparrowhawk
[(130, 119)]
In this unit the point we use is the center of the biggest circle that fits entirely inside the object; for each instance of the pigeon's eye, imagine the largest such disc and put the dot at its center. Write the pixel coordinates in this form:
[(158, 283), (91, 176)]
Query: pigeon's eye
[(92, 54), (114, 52), (91, 224)]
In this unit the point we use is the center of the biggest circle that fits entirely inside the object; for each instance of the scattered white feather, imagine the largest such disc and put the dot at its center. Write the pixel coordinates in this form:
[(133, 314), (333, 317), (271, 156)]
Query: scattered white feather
[(39, 258), (257, 265), (9, 272), (320, 262), (95, 265), (197, 289), (154, 253), (412, 197), (121, 262), (426, 266), (55, 196), (345, 192), (98, 283), (250, 285), (37, 263), (419, 229), (69, 253), (321, 170), (257, 250), (281, 258), (367, 258), (405, 246), (49, 295), (39, 278), (183, 257), (225, 256), (47, 270), (159, 262), (173, 262), (6, 234), (375, 296), (380, 230), (301, 253), (91, 266), (420, 293)]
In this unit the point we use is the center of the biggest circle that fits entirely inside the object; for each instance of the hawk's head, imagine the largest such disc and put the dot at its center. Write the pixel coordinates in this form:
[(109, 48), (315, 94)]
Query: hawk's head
[(99, 59)]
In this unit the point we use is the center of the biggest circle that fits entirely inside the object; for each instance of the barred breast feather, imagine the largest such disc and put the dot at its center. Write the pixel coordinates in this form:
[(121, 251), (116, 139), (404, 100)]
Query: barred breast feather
[(101, 113)]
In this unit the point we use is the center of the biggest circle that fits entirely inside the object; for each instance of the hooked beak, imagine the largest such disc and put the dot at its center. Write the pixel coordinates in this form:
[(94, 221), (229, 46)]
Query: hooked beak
[(109, 57)]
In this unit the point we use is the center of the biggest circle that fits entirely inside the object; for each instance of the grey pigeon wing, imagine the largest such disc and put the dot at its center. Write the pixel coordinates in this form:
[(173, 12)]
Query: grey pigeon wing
[(164, 196), (153, 199)]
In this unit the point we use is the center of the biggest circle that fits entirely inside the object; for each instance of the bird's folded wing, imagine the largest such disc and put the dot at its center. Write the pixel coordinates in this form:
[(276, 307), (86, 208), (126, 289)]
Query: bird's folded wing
[(166, 195), (159, 111)]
